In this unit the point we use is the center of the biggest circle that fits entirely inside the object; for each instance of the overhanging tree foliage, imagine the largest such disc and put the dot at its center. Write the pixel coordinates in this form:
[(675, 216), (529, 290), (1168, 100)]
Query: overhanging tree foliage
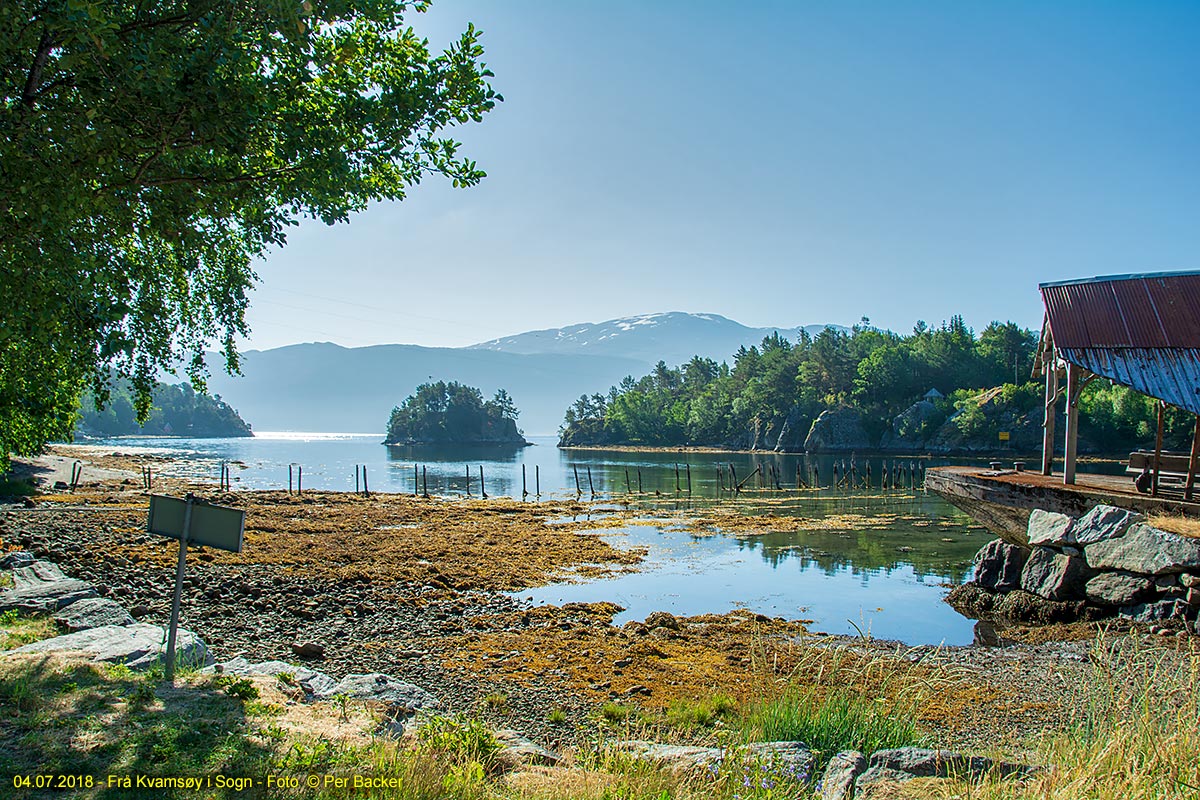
[(150, 151)]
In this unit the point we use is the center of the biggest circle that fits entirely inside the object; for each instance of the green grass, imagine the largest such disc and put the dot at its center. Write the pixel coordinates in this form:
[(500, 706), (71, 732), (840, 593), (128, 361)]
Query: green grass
[(831, 722), (702, 713), (16, 630), (13, 487)]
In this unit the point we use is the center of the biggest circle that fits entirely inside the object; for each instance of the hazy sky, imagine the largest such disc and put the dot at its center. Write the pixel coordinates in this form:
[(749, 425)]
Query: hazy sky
[(780, 163)]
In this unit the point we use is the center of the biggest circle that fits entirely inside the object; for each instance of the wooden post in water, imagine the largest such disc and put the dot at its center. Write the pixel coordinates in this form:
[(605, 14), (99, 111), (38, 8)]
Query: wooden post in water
[(366, 489), (425, 482), (482, 486), (734, 486), (468, 471), (299, 480), (628, 490), (524, 490), (356, 478), (537, 480), (639, 469), (289, 478), (677, 479), (591, 488), (689, 477), (416, 481), (578, 488)]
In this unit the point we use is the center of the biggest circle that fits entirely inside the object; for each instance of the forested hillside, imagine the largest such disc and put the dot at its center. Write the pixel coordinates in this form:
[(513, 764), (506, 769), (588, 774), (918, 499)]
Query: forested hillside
[(924, 392), (177, 410)]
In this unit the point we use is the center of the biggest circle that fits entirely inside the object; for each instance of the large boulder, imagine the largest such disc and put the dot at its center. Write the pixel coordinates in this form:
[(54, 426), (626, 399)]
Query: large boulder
[(1119, 589), (837, 430), (1102, 523), (92, 612), (1054, 575), (792, 759), (41, 587), (675, 758), (383, 689), (136, 646), (1159, 611), (1146, 550), (1050, 529), (1026, 607), (998, 565)]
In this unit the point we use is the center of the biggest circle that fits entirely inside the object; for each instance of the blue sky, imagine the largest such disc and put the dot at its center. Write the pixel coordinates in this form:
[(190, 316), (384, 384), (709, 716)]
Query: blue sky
[(780, 163)]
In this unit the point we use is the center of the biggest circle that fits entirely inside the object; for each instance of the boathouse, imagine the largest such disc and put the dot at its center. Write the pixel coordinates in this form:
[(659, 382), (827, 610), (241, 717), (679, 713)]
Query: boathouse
[(1141, 331)]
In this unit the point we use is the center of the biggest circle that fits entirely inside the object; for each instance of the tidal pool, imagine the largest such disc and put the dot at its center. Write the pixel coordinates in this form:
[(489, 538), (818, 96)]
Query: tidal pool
[(887, 580)]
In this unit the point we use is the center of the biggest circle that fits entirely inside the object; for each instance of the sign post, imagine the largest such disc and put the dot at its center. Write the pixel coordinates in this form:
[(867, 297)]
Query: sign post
[(192, 520)]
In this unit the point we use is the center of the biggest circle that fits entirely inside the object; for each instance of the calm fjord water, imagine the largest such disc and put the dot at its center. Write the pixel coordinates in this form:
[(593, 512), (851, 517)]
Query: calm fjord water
[(888, 580)]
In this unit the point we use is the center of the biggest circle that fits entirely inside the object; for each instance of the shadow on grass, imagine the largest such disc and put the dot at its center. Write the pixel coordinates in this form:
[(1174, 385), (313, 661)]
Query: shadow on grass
[(67, 717)]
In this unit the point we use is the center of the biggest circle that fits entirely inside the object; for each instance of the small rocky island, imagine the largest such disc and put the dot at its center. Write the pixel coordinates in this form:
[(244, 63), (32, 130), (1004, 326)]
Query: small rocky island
[(451, 413)]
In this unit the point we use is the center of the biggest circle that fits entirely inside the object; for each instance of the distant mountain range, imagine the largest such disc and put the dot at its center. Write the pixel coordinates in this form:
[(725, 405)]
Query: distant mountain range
[(326, 387), (673, 337)]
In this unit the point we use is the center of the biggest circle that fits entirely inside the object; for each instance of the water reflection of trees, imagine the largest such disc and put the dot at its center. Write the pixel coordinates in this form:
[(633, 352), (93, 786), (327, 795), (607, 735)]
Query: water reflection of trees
[(865, 553)]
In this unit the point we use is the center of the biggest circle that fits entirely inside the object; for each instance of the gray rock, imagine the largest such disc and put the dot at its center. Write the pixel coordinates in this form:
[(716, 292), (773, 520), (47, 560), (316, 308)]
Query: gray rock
[(837, 430), (1054, 575), (921, 763), (136, 646), (517, 750), (384, 689), (1145, 550), (840, 774), (1021, 606), (677, 759), (92, 612), (1193, 597), (1103, 523), (1189, 581), (791, 759), (875, 776), (1157, 611), (17, 558), (41, 587), (312, 682), (998, 565), (1119, 588), (1050, 529), (662, 619)]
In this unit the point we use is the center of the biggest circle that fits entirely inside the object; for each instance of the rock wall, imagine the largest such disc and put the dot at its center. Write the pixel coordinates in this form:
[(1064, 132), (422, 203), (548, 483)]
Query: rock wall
[(1107, 562)]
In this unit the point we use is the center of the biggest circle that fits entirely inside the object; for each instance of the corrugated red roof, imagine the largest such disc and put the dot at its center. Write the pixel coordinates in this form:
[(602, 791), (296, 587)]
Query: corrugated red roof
[(1142, 331), (1149, 311)]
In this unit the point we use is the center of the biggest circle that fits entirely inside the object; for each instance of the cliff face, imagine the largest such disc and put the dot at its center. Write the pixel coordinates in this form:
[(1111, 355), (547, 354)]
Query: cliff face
[(838, 430)]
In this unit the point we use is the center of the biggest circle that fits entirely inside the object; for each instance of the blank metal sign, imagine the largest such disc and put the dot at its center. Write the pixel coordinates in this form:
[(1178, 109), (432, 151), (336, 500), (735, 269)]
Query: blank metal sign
[(216, 526)]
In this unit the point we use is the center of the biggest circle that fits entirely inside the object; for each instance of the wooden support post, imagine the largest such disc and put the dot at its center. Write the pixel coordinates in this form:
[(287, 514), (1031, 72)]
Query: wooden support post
[(524, 489), (537, 480), (425, 482), (299, 480), (1072, 435), (591, 488), (578, 488), (173, 626), (1051, 405), (366, 489), (468, 471), (628, 489), (734, 486), (639, 469), (1191, 476), (1158, 439), (289, 478), (689, 477), (482, 486), (676, 479), (356, 478), (416, 481)]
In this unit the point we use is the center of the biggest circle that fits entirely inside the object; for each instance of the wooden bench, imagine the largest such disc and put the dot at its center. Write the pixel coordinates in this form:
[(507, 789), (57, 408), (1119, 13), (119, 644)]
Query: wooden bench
[(1172, 466)]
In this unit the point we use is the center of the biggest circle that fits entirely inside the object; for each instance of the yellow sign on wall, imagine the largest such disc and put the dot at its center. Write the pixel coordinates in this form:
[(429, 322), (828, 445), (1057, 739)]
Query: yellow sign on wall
[(1004, 436)]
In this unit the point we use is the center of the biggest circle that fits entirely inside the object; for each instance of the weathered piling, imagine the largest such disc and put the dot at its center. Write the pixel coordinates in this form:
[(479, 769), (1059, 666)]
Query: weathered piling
[(591, 488), (482, 486), (524, 489), (628, 490), (578, 488), (425, 482), (689, 477), (366, 489), (537, 480)]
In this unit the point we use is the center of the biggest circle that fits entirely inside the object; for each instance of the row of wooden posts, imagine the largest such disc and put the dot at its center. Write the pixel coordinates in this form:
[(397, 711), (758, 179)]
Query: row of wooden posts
[(897, 475)]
